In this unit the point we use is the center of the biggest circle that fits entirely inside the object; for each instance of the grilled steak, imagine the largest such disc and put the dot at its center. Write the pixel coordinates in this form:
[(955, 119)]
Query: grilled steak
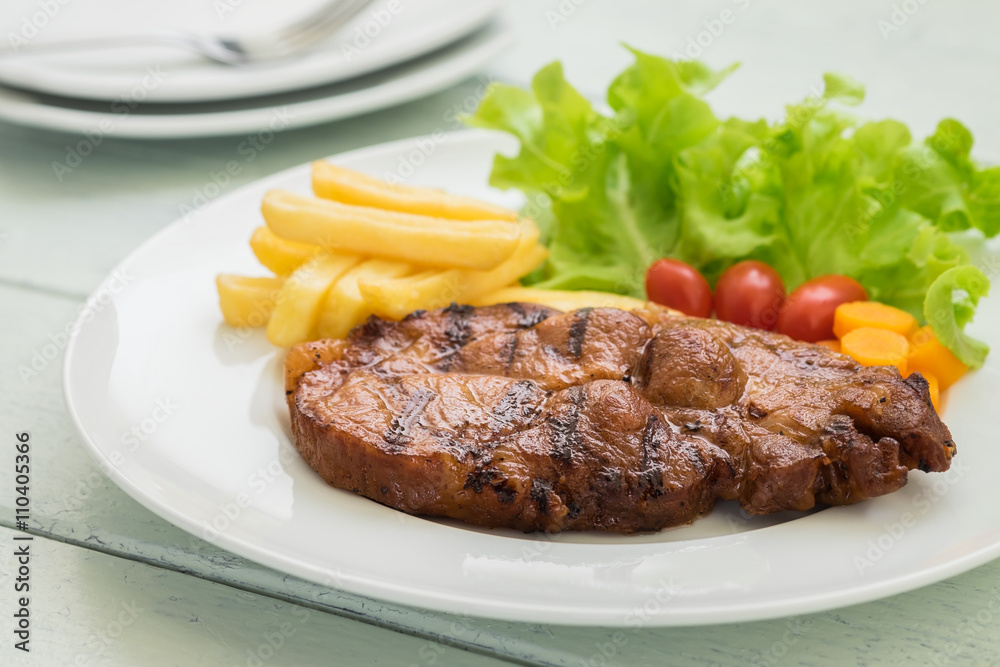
[(523, 417)]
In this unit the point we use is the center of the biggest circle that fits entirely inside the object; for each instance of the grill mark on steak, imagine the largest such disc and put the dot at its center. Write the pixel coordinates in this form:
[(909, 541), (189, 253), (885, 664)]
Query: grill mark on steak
[(458, 330), (457, 333), (527, 319), (577, 332), (565, 438), (510, 349), (649, 441), (400, 429), (694, 456), (513, 406), (468, 439)]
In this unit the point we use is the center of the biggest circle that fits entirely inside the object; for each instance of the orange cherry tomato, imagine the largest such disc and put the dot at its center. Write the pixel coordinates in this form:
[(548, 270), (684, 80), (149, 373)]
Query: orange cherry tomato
[(750, 293), (674, 284), (808, 311)]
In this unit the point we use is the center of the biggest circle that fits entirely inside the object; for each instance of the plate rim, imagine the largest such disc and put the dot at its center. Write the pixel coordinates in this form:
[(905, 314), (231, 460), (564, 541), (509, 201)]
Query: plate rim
[(69, 86), (540, 611), (447, 67)]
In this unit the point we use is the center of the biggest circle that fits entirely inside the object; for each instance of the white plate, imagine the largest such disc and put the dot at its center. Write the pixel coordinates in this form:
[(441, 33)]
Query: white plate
[(187, 415), (397, 30), (396, 85)]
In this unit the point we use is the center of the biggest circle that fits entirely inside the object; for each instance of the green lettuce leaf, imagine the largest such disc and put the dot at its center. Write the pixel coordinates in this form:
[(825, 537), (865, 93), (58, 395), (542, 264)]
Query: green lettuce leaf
[(951, 302), (818, 192)]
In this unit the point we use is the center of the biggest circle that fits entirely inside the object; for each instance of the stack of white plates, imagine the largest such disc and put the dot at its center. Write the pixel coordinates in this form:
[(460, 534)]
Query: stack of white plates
[(393, 51)]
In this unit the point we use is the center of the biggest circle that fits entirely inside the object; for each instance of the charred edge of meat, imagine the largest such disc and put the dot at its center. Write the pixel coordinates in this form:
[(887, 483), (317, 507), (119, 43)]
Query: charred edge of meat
[(577, 332), (480, 478), (540, 490), (505, 492), (651, 483), (565, 437), (372, 328), (919, 382)]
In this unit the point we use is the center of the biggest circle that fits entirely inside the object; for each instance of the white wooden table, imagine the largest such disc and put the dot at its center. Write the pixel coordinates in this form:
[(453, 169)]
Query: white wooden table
[(112, 584)]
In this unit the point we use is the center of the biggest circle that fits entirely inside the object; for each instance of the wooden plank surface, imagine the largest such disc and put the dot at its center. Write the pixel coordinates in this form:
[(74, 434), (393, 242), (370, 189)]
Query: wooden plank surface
[(89, 608)]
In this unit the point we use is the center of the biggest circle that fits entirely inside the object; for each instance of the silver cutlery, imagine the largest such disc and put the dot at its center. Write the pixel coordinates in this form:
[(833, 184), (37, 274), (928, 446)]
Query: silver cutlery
[(226, 49)]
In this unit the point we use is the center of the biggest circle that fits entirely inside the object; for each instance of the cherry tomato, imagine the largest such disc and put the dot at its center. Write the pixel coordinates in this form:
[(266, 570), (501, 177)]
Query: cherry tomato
[(808, 311), (674, 284), (750, 293)]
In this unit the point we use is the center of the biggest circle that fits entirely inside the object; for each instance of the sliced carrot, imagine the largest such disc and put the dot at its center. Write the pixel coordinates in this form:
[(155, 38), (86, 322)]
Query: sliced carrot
[(935, 388), (876, 347), (857, 314), (929, 356), (833, 344)]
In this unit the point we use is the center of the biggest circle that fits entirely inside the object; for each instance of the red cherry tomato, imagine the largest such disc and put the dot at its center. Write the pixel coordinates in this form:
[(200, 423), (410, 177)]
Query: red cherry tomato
[(674, 284), (808, 311), (750, 293)]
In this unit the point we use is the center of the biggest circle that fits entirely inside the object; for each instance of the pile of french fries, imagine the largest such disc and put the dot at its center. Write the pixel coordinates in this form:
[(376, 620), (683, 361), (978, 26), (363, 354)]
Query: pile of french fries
[(362, 246)]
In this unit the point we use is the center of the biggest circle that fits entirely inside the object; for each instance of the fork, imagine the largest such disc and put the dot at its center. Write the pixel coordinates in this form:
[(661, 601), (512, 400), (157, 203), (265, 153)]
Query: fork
[(228, 50)]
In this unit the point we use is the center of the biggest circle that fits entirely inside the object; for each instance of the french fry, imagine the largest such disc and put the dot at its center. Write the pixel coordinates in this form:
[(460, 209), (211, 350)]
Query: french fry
[(297, 309), (352, 187), (479, 244), (247, 302), (394, 299), (280, 255), (344, 306), (561, 300), (434, 289)]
